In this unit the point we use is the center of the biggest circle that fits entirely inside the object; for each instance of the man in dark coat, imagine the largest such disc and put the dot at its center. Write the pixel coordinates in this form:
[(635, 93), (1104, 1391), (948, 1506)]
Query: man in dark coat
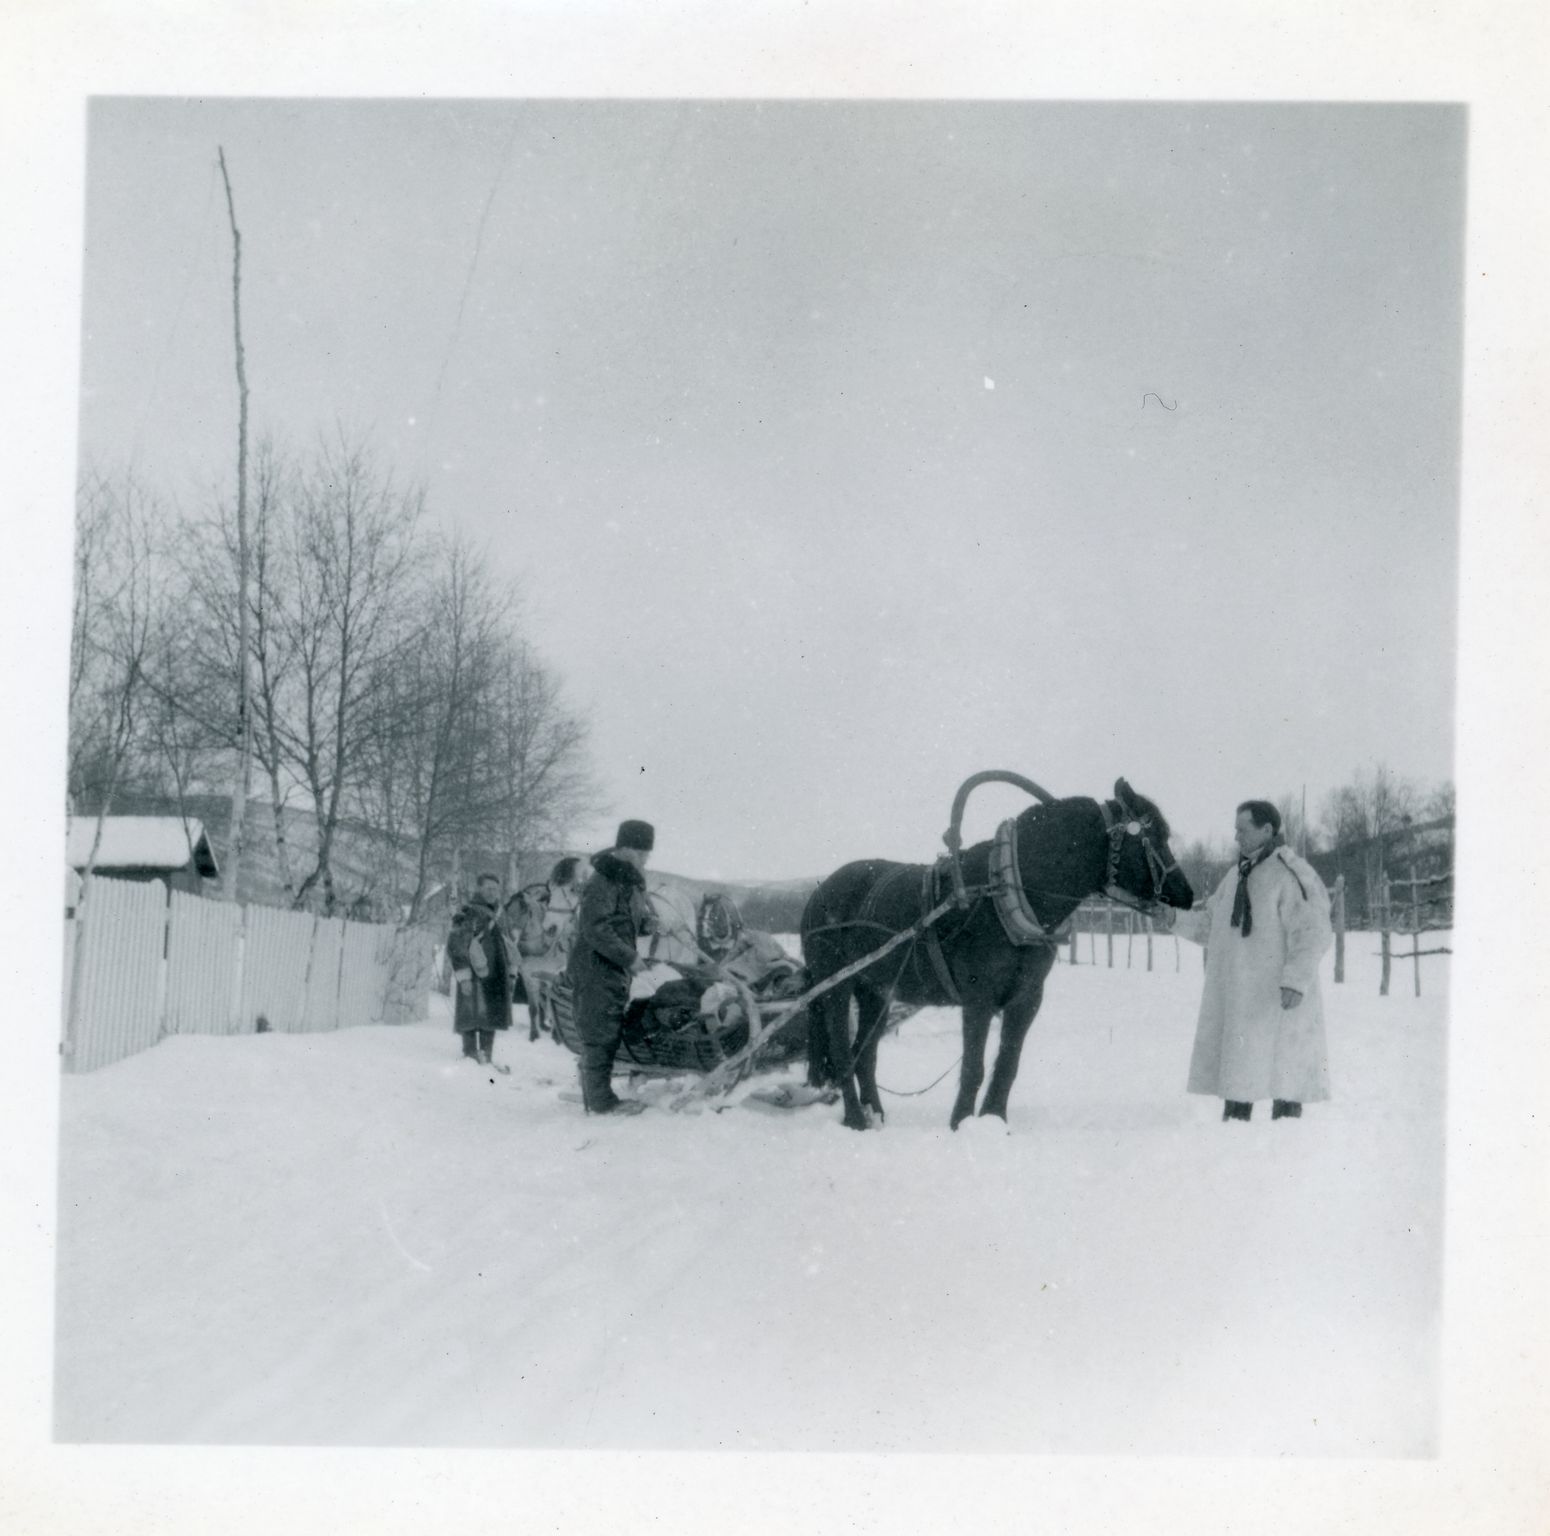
[(614, 913), (481, 972)]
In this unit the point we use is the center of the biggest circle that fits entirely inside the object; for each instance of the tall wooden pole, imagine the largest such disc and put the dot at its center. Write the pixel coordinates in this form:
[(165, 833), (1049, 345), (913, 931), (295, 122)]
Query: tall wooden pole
[(243, 778)]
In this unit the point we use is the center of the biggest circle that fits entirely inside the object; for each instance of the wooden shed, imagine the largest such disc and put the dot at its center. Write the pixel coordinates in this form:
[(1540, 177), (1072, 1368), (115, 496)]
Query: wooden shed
[(165, 848)]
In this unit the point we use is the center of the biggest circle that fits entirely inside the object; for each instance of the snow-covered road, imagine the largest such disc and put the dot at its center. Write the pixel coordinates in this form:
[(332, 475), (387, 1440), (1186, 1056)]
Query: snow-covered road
[(359, 1238)]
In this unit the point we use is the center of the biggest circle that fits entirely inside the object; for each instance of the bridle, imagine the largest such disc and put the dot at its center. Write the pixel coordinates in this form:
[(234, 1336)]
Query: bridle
[(1119, 828)]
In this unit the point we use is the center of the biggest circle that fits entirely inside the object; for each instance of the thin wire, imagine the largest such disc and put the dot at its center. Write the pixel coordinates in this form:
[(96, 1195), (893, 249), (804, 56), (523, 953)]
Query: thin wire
[(468, 283)]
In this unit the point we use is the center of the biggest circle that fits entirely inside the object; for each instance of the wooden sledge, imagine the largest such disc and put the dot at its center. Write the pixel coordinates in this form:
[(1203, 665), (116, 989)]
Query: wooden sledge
[(671, 1042)]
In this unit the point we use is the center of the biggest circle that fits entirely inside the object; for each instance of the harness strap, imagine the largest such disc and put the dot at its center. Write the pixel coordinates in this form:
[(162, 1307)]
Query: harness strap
[(933, 943), (868, 910), (1114, 826), (922, 928)]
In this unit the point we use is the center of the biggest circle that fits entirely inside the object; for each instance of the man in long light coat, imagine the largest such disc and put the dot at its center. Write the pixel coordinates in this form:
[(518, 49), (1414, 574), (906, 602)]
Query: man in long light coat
[(1266, 927)]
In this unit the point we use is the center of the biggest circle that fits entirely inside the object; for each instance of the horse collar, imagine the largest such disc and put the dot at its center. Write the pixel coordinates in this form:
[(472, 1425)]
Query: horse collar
[(1018, 919)]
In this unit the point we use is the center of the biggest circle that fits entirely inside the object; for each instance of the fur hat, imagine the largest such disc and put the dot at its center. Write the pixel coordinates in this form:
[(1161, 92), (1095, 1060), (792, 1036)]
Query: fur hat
[(640, 835)]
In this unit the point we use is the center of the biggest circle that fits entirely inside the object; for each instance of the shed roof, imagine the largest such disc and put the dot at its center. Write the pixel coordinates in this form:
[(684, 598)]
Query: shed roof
[(141, 842)]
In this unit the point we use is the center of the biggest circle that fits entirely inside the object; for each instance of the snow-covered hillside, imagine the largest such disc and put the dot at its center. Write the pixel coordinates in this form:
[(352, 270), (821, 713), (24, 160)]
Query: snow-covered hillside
[(361, 1239)]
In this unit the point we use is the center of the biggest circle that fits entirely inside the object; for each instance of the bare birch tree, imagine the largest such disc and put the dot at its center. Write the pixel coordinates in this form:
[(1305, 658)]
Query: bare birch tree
[(543, 747), (392, 689), (1361, 815), (209, 558), (433, 775), (1294, 823), (350, 569), (118, 616)]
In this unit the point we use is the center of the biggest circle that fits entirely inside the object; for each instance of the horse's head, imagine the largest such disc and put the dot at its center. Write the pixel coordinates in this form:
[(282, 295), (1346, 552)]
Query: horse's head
[(525, 914), (718, 924), (1141, 868)]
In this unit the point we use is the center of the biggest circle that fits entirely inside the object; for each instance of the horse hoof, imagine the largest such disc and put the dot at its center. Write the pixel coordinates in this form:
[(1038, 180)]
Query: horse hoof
[(983, 1128)]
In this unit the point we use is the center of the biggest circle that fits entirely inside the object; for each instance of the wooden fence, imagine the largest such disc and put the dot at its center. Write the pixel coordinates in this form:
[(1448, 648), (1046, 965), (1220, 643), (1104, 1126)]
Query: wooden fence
[(1104, 929), (140, 965), (1122, 926), (1416, 903)]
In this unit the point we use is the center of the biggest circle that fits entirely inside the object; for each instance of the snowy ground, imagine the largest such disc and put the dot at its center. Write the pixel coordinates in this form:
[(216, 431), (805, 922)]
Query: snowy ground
[(360, 1239)]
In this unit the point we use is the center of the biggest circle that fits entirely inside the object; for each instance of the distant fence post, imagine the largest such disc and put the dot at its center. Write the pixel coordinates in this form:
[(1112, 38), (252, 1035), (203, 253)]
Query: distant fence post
[(1383, 984), (1339, 914), (1415, 904), (1108, 928), (1074, 927)]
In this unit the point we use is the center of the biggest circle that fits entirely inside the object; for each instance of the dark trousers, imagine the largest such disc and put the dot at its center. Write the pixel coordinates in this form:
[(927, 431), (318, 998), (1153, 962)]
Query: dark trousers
[(599, 1022), (479, 1044)]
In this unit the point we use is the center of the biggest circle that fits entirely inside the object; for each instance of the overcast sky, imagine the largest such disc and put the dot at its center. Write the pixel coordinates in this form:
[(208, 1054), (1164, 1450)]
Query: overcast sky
[(841, 451)]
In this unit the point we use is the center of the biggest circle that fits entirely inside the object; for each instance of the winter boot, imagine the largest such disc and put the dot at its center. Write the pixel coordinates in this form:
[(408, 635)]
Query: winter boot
[(1286, 1109), (597, 1093), (487, 1052), (1236, 1109)]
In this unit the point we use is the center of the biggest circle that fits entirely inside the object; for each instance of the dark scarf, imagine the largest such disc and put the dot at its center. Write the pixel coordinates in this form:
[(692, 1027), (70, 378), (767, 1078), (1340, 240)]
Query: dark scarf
[(1242, 907)]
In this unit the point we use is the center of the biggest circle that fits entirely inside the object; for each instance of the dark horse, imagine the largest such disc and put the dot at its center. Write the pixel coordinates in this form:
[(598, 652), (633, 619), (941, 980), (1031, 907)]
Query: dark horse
[(993, 954)]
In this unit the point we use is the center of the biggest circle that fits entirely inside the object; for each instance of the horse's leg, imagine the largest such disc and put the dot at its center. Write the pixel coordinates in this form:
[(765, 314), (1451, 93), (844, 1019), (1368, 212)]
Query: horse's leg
[(820, 1069), (976, 1030), (531, 986), (836, 1011), (869, 1029), (1015, 1019)]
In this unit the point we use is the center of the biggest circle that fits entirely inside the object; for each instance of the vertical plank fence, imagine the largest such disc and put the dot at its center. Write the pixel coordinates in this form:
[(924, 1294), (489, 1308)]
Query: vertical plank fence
[(116, 1007), (150, 966), (322, 1001), (201, 959), (361, 977), (274, 968)]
